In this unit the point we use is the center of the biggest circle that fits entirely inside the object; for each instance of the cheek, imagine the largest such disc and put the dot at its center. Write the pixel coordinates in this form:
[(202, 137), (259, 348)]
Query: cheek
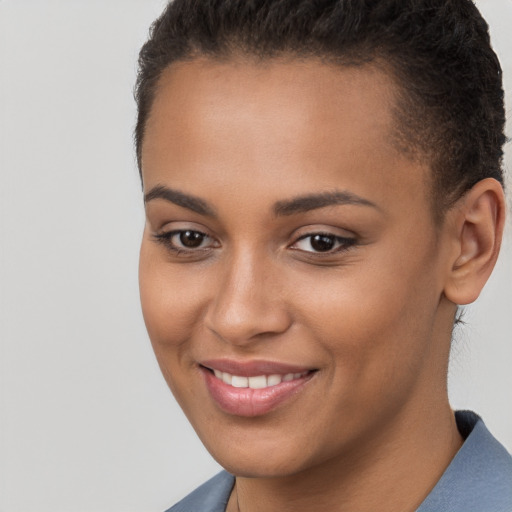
[(374, 347), (171, 308), (359, 306), (171, 300), (375, 322)]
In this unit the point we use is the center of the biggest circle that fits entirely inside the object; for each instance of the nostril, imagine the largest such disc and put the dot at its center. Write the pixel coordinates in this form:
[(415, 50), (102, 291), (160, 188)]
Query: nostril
[(240, 324)]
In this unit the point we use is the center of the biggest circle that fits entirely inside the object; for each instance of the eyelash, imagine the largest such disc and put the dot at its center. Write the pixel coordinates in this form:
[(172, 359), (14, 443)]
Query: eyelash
[(167, 240), (344, 243)]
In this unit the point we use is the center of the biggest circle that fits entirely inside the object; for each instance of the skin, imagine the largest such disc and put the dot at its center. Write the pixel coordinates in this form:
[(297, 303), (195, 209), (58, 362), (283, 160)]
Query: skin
[(373, 428)]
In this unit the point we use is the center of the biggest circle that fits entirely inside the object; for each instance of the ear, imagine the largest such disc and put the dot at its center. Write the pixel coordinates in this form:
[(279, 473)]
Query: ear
[(478, 221)]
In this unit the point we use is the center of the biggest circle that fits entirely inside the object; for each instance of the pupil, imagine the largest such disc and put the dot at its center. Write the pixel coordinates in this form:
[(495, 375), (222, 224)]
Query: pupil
[(191, 238), (322, 243)]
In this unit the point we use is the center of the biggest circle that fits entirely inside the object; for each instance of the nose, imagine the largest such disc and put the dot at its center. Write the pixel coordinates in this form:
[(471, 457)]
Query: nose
[(249, 302)]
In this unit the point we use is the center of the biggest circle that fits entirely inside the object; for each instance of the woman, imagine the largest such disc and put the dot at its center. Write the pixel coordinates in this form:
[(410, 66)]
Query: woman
[(323, 188)]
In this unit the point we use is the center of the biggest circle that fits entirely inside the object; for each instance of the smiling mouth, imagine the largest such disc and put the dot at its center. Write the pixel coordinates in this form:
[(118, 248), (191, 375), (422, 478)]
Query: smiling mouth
[(257, 381), (253, 389)]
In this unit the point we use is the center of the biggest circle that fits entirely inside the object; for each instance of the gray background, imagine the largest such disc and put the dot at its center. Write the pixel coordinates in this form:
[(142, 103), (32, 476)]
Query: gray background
[(86, 421)]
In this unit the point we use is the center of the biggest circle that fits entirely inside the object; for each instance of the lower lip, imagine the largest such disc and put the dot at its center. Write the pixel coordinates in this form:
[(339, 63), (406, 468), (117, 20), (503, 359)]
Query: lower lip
[(252, 402)]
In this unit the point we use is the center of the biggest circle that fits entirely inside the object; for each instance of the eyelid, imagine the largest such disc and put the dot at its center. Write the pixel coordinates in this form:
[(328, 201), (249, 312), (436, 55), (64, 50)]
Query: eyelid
[(344, 243), (166, 238)]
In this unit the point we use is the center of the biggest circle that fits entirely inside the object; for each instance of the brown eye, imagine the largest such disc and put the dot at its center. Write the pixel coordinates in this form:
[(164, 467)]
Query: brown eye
[(191, 239), (322, 243), (317, 243), (186, 241)]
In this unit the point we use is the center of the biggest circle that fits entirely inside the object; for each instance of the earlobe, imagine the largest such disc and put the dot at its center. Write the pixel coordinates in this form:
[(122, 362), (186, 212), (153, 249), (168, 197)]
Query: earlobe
[(479, 220)]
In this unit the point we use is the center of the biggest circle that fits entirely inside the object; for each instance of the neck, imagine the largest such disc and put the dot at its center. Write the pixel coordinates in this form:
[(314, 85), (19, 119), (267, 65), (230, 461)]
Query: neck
[(395, 470)]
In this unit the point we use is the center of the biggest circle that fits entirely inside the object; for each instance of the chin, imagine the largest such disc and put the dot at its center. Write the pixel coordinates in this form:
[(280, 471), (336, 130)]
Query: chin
[(258, 457), (261, 466)]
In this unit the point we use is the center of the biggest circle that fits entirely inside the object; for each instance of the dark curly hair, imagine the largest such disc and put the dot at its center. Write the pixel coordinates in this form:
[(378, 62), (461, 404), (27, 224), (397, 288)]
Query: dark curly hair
[(450, 107)]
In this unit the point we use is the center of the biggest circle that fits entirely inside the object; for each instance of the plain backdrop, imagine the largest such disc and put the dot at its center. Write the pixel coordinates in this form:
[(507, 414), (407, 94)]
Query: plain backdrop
[(86, 420)]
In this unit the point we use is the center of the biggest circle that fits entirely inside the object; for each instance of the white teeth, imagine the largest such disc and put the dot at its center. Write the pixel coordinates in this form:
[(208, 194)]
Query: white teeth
[(256, 382), (273, 380), (239, 382)]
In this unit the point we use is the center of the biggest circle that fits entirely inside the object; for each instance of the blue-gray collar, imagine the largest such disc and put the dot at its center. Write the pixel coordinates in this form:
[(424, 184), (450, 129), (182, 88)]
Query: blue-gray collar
[(479, 478)]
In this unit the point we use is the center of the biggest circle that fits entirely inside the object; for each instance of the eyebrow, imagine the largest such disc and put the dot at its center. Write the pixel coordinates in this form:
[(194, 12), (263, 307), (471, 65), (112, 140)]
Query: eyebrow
[(310, 202), (300, 204), (181, 199)]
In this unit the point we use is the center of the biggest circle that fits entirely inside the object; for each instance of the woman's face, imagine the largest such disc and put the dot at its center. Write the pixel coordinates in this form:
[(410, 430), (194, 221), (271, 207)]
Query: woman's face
[(291, 274)]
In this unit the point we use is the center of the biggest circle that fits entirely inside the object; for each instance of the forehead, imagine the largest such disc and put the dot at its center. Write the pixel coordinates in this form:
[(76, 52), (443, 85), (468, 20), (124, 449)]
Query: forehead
[(299, 94), (303, 121)]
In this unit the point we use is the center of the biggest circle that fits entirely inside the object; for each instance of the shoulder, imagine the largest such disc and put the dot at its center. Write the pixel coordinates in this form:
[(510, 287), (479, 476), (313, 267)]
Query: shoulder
[(212, 496), (480, 475)]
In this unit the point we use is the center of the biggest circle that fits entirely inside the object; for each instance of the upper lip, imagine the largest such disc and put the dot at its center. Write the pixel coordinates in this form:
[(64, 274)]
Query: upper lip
[(253, 368)]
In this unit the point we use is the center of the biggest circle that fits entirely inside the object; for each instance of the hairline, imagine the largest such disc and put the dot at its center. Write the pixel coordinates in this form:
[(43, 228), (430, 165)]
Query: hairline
[(404, 141)]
